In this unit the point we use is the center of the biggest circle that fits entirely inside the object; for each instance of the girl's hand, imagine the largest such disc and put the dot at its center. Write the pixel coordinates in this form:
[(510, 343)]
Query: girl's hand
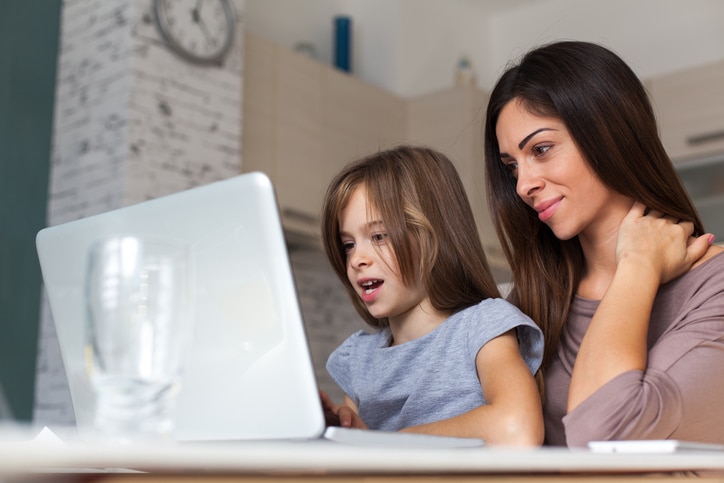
[(330, 409), (348, 418), (340, 414), (659, 243)]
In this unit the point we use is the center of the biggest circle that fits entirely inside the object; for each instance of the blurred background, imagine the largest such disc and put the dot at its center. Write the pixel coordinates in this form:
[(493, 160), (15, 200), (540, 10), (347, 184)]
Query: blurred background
[(97, 112)]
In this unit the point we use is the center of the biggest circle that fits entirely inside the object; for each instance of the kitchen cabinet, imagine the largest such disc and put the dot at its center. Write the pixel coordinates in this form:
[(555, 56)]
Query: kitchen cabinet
[(303, 121), (689, 107), (359, 118), (451, 121), (282, 125)]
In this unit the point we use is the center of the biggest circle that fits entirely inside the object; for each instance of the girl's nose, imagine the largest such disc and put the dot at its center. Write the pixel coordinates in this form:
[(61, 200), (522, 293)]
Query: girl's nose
[(360, 256)]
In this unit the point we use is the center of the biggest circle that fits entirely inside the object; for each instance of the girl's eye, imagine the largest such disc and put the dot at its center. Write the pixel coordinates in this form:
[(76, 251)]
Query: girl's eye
[(348, 246), (379, 238)]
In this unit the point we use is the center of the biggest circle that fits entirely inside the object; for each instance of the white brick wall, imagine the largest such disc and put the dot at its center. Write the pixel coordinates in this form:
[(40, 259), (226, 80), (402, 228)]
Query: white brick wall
[(132, 122)]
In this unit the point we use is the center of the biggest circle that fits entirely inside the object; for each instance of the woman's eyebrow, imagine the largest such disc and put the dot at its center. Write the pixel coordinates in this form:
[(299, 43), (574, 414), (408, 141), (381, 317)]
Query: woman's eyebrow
[(525, 140), (529, 136)]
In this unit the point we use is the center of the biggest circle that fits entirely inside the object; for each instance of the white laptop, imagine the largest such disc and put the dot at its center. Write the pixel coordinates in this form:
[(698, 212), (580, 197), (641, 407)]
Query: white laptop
[(249, 375)]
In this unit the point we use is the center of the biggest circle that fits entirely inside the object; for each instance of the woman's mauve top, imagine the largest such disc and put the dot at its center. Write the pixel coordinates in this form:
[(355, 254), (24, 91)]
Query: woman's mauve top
[(680, 395)]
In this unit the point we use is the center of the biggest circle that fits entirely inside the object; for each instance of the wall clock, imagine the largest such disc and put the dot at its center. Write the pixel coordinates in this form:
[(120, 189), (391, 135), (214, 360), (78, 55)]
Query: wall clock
[(201, 31)]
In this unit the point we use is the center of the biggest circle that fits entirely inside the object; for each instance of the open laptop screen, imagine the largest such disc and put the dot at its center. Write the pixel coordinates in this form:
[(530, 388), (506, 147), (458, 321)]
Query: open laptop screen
[(249, 373)]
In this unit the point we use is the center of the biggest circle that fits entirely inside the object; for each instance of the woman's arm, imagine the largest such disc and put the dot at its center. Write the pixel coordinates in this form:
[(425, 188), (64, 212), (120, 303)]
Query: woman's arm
[(675, 397), (651, 250), (512, 414)]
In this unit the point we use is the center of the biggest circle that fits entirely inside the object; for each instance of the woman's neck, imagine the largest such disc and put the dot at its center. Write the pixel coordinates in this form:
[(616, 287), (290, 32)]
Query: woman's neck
[(598, 243)]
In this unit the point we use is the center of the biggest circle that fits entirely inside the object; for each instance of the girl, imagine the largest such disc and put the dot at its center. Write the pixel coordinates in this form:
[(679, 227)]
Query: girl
[(597, 228), (448, 357)]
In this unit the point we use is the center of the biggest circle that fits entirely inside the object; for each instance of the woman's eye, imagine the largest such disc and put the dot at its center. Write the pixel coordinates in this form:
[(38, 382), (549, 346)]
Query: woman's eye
[(541, 149), (512, 167)]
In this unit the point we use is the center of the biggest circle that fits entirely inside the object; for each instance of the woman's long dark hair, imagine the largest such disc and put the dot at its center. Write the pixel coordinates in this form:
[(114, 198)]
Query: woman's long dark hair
[(421, 200), (608, 114)]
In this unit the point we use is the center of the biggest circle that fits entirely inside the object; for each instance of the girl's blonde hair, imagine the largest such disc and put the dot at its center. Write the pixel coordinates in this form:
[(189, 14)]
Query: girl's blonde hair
[(418, 194)]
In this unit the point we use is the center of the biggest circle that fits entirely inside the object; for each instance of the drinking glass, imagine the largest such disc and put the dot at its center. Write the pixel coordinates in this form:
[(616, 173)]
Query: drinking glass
[(139, 305)]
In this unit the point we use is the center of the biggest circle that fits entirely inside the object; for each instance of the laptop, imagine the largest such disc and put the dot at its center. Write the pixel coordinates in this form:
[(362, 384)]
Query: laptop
[(249, 373)]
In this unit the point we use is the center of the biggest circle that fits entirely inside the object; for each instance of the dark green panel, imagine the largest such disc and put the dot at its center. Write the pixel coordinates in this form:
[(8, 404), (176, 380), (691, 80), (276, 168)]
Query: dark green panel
[(29, 39)]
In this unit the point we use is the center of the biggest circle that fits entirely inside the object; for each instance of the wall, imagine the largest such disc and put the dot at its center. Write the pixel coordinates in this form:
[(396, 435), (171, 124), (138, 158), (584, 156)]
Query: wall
[(397, 45), (653, 36), (376, 38), (410, 47), (28, 51), (132, 122)]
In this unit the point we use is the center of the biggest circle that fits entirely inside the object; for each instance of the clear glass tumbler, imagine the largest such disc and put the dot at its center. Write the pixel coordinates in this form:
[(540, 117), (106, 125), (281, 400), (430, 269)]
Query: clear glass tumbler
[(139, 305)]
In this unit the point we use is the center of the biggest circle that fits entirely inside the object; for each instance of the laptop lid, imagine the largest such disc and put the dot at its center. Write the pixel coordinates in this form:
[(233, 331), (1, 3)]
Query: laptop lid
[(249, 373)]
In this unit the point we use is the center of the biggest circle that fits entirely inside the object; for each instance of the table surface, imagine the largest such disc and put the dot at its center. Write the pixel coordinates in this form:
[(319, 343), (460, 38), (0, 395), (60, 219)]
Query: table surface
[(279, 460)]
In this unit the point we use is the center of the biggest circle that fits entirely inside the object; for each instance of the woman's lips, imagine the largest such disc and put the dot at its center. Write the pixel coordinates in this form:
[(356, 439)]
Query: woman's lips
[(547, 209)]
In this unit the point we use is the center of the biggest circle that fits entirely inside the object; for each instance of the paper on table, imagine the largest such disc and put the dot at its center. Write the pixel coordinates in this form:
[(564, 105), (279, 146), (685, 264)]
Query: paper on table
[(651, 446)]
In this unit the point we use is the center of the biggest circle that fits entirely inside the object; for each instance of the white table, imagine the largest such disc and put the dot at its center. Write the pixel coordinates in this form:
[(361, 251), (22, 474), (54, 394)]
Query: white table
[(314, 460)]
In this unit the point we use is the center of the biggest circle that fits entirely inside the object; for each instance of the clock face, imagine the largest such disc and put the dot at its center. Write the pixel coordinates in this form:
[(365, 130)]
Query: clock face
[(199, 30)]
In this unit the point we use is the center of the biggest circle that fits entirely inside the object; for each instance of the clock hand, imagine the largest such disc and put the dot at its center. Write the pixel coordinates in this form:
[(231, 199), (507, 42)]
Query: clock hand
[(206, 32), (195, 12), (199, 19)]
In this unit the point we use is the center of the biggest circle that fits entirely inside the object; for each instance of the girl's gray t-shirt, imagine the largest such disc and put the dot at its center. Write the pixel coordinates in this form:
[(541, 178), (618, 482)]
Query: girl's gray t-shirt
[(430, 378)]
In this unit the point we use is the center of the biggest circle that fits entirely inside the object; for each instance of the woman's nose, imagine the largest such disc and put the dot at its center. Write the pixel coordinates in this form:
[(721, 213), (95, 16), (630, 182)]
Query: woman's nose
[(529, 181)]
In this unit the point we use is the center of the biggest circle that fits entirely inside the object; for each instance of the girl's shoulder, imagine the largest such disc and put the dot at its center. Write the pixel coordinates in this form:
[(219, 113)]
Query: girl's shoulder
[(493, 306), (365, 338), (493, 317), (494, 312), (359, 344)]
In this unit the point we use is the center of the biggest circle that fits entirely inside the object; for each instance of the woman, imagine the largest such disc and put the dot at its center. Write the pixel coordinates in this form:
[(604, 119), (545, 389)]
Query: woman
[(608, 253)]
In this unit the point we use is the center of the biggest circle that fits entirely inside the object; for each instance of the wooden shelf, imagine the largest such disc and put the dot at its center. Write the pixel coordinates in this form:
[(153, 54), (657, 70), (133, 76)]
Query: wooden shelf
[(689, 107)]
